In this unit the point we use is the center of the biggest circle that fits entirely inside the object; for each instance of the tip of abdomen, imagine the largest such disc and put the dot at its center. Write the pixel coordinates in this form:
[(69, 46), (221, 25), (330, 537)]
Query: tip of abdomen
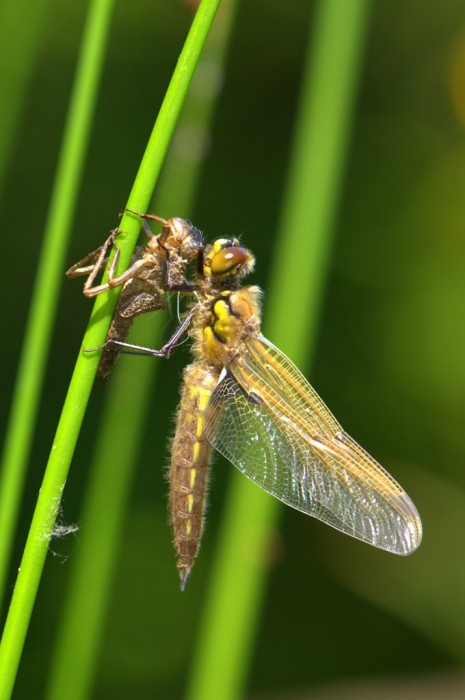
[(184, 575)]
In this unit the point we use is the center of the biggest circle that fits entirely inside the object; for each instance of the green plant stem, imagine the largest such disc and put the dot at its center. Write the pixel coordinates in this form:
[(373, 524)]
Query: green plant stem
[(237, 587), (81, 383), (49, 276), (76, 649), (21, 25), (82, 620)]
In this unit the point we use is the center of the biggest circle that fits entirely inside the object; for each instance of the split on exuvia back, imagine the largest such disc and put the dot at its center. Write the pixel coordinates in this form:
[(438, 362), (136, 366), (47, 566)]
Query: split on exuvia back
[(243, 397)]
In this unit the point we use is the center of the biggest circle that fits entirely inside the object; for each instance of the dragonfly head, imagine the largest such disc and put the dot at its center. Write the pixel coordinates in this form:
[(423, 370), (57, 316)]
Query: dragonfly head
[(226, 259)]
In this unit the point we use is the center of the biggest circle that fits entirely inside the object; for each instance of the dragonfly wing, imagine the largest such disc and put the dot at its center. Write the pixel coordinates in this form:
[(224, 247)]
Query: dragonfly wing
[(267, 420)]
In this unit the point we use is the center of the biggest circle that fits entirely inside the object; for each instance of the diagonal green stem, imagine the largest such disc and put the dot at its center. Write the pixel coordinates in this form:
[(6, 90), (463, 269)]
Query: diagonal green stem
[(81, 383), (82, 620), (329, 87)]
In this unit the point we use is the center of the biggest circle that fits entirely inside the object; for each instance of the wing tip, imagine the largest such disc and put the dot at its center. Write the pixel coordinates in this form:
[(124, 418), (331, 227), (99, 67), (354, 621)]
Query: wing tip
[(412, 530)]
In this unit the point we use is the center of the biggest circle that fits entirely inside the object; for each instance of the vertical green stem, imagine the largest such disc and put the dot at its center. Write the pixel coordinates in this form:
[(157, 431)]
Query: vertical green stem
[(233, 603), (79, 390), (49, 276), (21, 25)]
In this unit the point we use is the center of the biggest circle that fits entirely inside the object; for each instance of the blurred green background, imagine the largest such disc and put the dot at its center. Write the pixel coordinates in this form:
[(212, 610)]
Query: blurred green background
[(389, 358)]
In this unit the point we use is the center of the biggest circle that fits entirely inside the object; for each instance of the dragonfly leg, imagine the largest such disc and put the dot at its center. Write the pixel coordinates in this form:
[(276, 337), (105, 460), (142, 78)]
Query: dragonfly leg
[(150, 217), (97, 258), (166, 351)]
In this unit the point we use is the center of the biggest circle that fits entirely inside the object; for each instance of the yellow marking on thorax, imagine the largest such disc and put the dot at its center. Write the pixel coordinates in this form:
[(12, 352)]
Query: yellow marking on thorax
[(221, 309), (209, 336), (224, 323), (188, 527)]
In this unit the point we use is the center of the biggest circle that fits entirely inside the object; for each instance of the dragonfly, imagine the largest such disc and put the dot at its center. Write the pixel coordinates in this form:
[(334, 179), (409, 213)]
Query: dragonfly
[(158, 267), (242, 397)]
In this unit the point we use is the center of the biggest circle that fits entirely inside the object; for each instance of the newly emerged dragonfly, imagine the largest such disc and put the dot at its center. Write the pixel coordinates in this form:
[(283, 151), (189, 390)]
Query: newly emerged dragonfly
[(158, 267), (245, 398)]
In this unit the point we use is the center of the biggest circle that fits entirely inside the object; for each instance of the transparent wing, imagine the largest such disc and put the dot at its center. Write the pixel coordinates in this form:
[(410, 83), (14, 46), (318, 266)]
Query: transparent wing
[(266, 419)]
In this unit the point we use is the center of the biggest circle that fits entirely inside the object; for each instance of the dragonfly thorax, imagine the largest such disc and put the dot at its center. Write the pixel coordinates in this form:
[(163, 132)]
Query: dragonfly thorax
[(223, 322)]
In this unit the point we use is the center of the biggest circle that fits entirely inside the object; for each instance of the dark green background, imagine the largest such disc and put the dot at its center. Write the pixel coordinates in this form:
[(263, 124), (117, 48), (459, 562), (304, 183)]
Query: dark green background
[(390, 354)]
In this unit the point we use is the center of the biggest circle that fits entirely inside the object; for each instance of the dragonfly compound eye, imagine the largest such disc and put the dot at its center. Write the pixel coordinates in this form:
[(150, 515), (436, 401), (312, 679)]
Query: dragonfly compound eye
[(228, 261)]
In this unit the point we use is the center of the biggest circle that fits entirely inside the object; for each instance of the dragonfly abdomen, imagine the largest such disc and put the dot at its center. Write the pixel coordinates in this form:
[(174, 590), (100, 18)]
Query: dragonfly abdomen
[(189, 466)]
